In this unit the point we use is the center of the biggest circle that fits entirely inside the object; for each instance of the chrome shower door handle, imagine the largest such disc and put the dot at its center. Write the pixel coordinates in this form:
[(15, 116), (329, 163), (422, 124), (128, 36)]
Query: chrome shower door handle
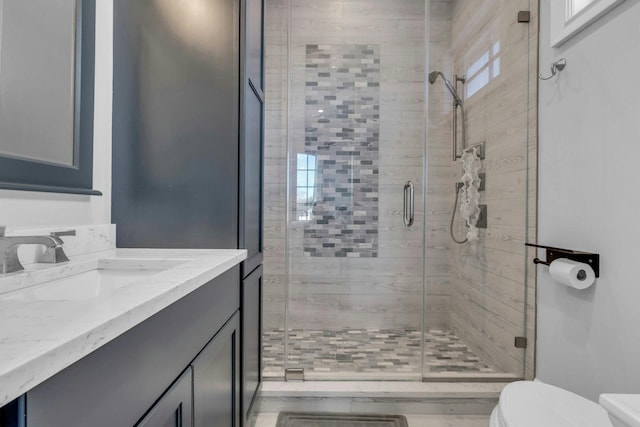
[(408, 204)]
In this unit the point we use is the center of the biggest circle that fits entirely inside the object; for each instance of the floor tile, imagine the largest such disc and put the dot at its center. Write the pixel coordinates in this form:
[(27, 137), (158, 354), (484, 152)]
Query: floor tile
[(369, 351)]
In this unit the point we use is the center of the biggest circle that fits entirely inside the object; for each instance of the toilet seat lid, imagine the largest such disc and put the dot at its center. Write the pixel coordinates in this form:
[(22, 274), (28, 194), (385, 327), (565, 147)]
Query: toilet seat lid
[(535, 404)]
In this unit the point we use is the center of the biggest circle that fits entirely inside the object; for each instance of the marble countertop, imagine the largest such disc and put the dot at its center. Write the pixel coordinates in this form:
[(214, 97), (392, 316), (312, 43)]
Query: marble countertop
[(44, 329)]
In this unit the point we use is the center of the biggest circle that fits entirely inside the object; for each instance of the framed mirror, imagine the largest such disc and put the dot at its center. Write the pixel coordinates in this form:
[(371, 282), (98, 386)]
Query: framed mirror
[(47, 59)]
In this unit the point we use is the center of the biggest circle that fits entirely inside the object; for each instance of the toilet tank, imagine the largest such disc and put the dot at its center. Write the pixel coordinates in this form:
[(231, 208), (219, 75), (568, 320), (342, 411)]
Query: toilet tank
[(623, 409)]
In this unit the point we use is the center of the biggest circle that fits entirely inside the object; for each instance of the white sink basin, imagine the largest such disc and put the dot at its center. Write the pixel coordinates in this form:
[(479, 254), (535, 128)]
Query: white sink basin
[(92, 280), (82, 286)]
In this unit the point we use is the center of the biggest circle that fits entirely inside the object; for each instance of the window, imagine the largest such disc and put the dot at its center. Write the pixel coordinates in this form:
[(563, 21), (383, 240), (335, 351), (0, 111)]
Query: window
[(305, 185), (569, 17), (575, 6), (483, 70)]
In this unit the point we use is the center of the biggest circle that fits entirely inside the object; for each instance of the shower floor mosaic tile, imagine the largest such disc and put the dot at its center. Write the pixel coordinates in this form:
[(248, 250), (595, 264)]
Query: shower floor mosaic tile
[(369, 351)]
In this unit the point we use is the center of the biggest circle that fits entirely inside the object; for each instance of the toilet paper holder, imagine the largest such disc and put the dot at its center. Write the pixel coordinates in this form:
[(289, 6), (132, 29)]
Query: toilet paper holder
[(554, 253)]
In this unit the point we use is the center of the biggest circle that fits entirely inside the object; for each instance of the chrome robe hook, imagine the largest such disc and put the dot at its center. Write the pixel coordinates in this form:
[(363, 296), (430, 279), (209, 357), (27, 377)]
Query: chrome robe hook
[(555, 67)]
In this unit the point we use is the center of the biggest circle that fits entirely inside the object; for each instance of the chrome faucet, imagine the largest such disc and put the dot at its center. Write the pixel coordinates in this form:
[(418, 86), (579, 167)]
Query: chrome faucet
[(9, 250)]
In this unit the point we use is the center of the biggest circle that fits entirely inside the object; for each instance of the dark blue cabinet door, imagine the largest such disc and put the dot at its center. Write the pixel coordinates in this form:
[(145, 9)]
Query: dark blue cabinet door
[(251, 179), (175, 407), (216, 379), (251, 311), (13, 413)]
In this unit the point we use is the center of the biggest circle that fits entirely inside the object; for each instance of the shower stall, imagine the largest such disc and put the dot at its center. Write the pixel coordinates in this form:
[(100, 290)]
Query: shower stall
[(363, 276)]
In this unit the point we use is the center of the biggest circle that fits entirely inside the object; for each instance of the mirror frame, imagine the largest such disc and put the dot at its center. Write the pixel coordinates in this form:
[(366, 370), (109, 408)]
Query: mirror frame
[(32, 175)]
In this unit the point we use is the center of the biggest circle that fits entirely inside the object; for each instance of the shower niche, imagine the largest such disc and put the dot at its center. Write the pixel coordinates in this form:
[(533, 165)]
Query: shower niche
[(354, 111)]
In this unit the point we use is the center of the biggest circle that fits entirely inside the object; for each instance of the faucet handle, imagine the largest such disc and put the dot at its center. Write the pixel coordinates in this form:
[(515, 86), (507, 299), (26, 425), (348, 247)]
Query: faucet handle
[(54, 255), (63, 233)]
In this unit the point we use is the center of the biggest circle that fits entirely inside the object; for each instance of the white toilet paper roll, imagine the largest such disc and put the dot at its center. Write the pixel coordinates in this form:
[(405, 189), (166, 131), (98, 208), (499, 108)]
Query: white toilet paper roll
[(572, 273)]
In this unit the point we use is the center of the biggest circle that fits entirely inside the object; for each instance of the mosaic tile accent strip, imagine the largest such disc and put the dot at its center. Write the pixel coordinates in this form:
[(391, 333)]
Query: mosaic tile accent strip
[(342, 97), (369, 351)]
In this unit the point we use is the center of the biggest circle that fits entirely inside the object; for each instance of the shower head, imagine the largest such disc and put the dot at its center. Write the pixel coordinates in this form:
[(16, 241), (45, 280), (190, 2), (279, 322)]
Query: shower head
[(433, 76)]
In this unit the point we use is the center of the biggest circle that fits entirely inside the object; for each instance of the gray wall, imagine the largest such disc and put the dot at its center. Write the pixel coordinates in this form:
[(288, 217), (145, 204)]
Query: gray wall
[(589, 145), (175, 124)]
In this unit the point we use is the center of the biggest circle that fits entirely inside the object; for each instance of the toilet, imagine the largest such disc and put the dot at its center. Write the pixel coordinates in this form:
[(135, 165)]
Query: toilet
[(536, 404)]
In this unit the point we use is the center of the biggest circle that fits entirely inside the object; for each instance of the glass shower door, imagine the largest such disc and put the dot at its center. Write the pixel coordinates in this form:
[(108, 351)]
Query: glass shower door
[(356, 137), (487, 283)]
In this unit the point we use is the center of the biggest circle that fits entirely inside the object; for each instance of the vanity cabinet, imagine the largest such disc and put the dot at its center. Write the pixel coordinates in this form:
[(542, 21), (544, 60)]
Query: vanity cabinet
[(139, 377)]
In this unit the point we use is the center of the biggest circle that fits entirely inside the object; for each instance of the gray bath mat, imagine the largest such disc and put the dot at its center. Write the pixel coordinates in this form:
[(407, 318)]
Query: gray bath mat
[(323, 419)]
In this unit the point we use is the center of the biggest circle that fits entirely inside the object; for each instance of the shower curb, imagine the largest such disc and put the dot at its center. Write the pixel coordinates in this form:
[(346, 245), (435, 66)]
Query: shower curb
[(380, 397)]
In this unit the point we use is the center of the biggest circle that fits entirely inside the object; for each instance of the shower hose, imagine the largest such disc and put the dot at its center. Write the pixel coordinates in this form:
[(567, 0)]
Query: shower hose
[(458, 186)]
